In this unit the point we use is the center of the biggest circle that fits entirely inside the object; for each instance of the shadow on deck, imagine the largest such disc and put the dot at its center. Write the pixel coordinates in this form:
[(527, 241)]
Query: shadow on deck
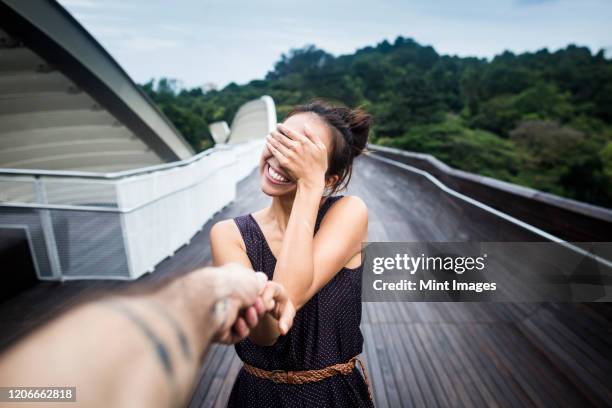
[(417, 354)]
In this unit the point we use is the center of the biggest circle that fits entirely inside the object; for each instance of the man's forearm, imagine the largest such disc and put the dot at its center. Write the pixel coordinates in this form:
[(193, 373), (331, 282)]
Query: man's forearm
[(123, 351)]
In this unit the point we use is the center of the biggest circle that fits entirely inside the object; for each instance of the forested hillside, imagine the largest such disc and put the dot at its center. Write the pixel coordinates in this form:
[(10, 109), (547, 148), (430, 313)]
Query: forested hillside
[(542, 119)]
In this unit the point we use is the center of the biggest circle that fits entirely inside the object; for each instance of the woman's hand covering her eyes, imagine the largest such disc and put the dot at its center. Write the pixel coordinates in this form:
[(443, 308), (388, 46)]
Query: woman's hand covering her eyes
[(303, 156)]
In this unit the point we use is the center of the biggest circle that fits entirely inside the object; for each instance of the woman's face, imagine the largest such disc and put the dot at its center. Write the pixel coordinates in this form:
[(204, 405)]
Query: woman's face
[(274, 179)]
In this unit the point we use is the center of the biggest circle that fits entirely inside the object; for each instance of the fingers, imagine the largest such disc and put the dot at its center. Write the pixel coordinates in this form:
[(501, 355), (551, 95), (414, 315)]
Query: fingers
[(308, 137), (286, 318), (277, 301), (313, 136), (240, 328), (262, 278), (241, 283), (251, 317), (259, 307), (282, 159), (269, 294), (291, 134), (283, 140), (238, 289), (225, 313), (284, 147)]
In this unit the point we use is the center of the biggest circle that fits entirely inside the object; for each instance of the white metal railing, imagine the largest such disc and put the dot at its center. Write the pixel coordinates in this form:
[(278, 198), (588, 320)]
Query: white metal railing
[(120, 225)]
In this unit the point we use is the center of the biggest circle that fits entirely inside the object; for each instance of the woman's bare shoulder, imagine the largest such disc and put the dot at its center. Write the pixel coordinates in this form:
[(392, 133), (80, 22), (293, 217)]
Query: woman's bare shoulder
[(348, 207), (225, 231), (352, 203)]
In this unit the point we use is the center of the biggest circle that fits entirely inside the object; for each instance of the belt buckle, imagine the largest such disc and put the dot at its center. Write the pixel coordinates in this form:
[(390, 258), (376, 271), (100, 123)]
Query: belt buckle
[(278, 373)]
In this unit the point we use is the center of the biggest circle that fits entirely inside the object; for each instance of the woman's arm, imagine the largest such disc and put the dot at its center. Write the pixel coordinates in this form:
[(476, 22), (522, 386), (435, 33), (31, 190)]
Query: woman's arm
[(306, 264)]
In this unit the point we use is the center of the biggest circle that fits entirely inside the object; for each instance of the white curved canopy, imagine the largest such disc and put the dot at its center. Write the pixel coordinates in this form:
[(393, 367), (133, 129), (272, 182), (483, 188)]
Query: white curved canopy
[(65, 104), (254, 120), (219, 131)]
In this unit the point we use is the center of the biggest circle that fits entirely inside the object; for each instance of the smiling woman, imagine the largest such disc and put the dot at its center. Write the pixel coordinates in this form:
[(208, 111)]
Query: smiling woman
[(309, 242)]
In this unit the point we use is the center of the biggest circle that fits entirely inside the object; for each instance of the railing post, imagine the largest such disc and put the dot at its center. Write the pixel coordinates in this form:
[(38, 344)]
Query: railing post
[(47, 229)]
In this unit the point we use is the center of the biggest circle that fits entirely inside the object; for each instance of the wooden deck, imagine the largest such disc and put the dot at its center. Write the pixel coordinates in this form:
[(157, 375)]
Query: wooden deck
[(417, 354)]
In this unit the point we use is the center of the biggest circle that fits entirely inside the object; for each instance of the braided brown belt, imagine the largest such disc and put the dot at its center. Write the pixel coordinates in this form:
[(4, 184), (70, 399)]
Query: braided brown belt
[(308, 376)]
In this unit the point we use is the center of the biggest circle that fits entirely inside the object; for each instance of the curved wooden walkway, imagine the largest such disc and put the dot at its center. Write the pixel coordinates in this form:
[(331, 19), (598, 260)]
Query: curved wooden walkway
[(418, 354)]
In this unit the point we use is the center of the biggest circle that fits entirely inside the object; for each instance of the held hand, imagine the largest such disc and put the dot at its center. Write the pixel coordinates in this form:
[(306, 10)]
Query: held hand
[(244, 321), (276, 301), (239, 306), (303, 156)]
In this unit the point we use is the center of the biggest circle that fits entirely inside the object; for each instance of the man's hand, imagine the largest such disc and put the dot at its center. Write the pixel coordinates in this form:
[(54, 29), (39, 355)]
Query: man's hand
[(238, 306)]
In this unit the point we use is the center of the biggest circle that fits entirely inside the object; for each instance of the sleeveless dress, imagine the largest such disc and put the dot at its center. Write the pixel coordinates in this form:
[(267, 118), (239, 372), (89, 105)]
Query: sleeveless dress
[(325, 332)]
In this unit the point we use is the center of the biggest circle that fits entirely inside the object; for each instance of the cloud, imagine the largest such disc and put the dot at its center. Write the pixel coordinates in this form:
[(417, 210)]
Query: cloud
[(148, 44)]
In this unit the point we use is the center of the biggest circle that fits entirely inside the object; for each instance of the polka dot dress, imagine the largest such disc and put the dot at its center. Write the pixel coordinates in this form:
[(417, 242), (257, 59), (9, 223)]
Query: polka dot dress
[(325, 332)]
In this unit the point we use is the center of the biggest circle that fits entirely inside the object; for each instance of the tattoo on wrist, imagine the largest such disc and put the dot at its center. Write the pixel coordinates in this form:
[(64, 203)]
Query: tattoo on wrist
[(180, 333)]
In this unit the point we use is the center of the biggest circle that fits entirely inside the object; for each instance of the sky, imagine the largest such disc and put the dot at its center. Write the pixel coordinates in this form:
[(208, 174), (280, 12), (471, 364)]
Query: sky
[(202, 42)]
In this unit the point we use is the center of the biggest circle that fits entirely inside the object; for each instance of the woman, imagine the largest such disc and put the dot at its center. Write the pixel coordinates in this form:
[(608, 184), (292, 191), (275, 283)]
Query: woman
[(309, 241)]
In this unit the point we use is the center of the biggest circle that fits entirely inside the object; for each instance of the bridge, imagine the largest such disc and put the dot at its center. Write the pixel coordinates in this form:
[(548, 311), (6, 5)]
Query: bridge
[(417, 354)]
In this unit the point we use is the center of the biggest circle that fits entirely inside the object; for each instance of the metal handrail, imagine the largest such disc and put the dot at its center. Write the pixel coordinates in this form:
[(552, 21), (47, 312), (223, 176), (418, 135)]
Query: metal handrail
[(109, 209), (497, 213), (113, 175)]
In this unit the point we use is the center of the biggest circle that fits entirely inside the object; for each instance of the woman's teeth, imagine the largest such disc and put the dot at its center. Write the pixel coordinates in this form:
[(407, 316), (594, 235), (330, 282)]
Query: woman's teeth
[(276, 176)]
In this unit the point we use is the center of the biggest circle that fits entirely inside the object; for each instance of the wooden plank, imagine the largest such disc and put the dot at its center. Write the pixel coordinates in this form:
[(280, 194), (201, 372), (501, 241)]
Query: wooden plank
[(459, 378), (204, 376), (228, 383), (557, 388), (516, 372), (391, 383), (440, 367), (492, 358), (472, 351), (220, 377), (409, 347), (479, 383), (430, 384), (372, 361), (598, 393), (404, 369)]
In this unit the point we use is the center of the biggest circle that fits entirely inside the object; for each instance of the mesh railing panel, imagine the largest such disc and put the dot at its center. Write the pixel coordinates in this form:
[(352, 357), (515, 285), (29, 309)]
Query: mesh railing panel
[(90, 244), (132, 223)]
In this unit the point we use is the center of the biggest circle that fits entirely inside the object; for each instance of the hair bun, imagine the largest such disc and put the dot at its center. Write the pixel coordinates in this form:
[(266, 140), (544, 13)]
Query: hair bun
[(359, 123)]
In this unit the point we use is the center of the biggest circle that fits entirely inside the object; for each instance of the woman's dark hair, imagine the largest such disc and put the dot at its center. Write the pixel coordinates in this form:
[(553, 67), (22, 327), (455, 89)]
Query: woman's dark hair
[(350, 128)]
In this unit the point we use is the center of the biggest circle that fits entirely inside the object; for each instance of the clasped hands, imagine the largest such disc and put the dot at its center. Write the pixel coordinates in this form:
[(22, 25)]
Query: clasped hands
[(243, 298)]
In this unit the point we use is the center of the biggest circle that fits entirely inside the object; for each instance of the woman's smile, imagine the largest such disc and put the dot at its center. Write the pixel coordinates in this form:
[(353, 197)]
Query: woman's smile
[(275, 176)]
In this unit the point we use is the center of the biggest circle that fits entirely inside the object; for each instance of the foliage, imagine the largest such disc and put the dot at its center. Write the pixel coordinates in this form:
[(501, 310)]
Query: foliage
[(541, 119)]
